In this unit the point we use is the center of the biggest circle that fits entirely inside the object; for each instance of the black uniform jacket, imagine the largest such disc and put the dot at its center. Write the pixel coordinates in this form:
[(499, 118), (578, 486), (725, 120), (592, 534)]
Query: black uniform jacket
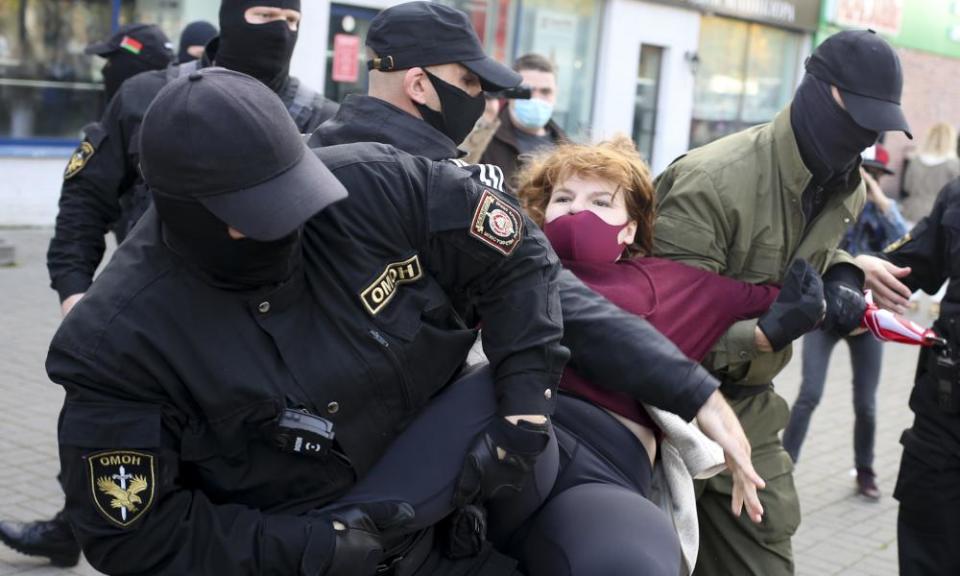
[(932, 251), (608, 346), (180, 382), (102, 188)]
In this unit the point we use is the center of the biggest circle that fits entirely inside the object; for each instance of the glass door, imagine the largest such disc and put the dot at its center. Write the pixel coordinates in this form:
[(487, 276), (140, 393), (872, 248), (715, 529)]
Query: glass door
[(645, 107)]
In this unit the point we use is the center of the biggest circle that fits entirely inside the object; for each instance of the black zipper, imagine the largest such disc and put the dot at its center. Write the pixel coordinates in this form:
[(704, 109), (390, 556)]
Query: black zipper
[(404, 382)]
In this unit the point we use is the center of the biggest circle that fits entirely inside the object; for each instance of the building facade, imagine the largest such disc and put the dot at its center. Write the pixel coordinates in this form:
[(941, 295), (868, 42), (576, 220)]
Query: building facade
[(926, 36), (676, 74), (49, 89)]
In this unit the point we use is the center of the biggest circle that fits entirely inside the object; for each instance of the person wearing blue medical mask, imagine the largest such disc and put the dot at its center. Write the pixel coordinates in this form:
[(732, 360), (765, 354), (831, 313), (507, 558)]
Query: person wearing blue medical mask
[(526, 126)]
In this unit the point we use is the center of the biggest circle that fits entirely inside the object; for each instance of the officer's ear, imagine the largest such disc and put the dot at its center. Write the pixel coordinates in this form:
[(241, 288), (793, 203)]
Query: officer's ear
[(418, 88)]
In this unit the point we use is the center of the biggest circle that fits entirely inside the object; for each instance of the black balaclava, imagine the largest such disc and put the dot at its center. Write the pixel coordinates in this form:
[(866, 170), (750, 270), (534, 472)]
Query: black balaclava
[(458, 113), (830, 141), (259, 50), (121, 65), (195, 34), (201, 239)]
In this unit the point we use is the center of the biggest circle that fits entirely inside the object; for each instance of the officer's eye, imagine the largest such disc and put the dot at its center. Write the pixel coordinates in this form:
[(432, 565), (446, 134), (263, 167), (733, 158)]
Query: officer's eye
[(603, 203), (562, 199)]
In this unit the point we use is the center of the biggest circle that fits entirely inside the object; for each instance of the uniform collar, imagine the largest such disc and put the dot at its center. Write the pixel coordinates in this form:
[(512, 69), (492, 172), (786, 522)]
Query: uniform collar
[(367, 119)]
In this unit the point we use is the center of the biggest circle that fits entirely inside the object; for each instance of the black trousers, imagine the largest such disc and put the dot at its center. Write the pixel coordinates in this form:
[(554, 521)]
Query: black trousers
[(928, 522), (584, 513), (597, 520)]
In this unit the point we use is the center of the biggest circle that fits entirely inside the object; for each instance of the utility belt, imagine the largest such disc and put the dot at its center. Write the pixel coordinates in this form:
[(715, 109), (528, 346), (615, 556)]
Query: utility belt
[(733, 391)]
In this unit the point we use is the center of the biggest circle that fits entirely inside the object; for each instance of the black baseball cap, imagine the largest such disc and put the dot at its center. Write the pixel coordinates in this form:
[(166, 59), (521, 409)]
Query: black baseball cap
[(225, 140), (866, 70), (144, 40), (426, 34)]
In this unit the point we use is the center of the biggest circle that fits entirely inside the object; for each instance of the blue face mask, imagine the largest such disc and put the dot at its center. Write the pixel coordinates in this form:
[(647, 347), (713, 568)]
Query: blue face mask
[(533, 113)]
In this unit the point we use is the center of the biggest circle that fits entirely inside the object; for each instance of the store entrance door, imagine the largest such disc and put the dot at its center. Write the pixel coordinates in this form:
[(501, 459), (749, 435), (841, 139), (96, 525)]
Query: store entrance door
[(346, 60), (646, 79)]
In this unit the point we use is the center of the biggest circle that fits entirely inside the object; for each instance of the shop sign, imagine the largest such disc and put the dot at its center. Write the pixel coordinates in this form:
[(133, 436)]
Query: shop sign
[(801, 14), (884, 16), (346, 58)]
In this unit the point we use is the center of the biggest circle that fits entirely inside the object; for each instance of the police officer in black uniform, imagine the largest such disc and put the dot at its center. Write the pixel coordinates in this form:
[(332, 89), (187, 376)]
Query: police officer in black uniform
[(928, 486), (607, 346), (133, 49), (102, 188), (260, 339)]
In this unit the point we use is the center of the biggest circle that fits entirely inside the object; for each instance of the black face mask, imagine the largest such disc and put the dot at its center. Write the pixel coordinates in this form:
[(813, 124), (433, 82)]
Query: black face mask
[(458, 113), (202, 241), (259, 50), (121, 66), (829, 140)]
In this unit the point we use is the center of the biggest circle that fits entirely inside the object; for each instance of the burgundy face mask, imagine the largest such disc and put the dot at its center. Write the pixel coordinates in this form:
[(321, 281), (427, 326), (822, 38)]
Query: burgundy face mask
[(584, 237)]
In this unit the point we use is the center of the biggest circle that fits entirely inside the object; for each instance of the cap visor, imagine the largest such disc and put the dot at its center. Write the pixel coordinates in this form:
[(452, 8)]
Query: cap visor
[(275, 208), (876, 115), (877, 166), (494, 76), (99, 48)]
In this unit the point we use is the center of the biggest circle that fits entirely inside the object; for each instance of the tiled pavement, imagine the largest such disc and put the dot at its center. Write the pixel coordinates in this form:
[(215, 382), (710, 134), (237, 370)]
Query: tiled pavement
[(840, 533)]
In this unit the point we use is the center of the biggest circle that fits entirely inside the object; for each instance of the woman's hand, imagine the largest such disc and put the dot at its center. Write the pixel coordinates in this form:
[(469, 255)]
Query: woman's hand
[(883, 278), (718, 422)]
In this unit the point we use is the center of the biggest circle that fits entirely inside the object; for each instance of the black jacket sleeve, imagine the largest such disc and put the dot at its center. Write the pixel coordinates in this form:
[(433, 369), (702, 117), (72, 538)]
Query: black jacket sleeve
[(169, 528), (926, 249), (621, 351), (90, 200), (499, 265)]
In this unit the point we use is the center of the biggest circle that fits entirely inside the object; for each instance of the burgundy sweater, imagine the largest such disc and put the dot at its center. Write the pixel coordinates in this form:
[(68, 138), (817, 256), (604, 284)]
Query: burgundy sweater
[(691, 307)]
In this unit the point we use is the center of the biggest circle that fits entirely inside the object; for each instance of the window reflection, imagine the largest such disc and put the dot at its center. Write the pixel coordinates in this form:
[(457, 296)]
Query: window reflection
[(747, 73)]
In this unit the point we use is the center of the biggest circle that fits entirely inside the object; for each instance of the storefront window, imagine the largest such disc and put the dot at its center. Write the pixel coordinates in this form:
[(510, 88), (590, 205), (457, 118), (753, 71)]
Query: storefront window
[(49, 89), (566, 32), (746, 74)]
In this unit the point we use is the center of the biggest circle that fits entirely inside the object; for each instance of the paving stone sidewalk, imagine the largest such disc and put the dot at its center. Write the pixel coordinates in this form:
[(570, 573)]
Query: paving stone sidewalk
[(840, 534)]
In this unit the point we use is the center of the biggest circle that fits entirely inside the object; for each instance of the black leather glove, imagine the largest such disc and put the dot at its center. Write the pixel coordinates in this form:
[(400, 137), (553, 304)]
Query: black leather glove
[(797, 310), (358, 529), (843, 289), (485, 475)]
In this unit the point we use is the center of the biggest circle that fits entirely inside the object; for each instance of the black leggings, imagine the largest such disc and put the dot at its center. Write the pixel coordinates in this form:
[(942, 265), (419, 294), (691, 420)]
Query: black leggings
[(584, 513), (597, 520)]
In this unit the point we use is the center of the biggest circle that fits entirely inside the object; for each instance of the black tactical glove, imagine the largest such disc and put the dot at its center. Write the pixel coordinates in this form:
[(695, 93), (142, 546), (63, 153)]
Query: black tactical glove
[(843, 289), (485, 475), (358, 529), (797, 310)]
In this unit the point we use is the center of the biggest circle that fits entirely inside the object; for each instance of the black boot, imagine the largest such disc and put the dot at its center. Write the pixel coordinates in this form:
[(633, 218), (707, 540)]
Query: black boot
[(50, 538)]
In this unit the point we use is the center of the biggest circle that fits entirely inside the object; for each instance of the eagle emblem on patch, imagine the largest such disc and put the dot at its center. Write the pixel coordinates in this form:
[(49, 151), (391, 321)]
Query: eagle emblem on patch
[(78, 160), (898, 243), (122, 484), (384, 287), (497, 224)]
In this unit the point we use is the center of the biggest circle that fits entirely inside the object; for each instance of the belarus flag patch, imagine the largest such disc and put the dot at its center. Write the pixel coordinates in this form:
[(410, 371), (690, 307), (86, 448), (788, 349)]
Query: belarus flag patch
[(131, 45)]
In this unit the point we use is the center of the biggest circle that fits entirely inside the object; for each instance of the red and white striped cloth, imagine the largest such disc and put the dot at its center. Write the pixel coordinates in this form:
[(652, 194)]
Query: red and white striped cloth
[(890, 327)]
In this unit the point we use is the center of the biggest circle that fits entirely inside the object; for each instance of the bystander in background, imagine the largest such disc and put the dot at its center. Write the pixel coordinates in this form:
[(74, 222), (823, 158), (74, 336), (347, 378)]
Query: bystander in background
[(879, 224)]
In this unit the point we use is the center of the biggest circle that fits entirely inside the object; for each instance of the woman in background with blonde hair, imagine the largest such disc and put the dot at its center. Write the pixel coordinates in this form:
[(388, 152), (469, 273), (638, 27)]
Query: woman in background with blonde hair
[(929, 170)]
